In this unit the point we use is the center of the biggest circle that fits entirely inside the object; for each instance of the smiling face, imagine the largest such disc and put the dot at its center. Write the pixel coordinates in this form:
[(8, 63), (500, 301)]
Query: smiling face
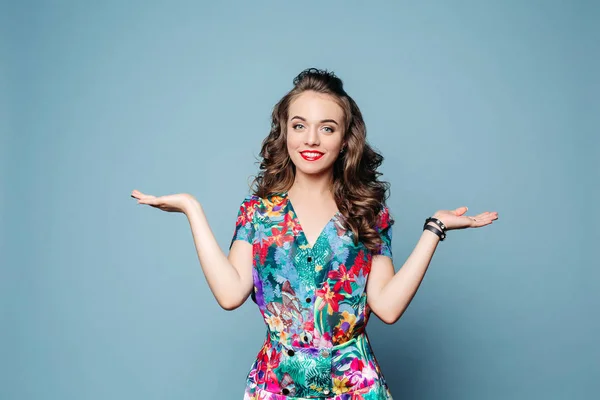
[(314, 132)]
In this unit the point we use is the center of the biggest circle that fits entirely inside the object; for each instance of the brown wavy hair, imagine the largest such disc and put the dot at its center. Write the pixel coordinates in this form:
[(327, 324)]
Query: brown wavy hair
[(358, 192)]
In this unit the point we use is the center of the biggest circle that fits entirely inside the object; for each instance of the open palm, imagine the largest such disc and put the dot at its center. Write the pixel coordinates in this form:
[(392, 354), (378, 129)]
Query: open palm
[(172, 202), (455, 219)]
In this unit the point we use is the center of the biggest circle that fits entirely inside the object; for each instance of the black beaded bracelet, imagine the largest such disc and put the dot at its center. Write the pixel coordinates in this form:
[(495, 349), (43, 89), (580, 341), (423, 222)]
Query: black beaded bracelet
[(437, 222), (435, 230)]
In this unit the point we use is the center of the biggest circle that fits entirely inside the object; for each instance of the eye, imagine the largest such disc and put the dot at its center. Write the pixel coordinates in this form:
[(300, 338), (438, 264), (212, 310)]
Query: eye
[(330, 129), (295, 126)]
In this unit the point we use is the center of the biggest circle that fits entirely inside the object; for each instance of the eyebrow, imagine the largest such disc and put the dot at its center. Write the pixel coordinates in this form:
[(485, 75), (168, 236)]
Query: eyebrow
[(322, 121)]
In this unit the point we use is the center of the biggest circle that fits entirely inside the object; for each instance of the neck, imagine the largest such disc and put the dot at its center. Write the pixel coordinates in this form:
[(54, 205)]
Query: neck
[(313, 185)]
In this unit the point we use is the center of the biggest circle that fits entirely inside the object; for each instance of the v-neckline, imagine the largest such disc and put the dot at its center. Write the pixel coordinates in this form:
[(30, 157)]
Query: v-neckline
[(321, 233)]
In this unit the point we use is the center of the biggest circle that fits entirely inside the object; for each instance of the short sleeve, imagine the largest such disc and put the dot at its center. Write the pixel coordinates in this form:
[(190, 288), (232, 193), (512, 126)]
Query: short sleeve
[(244, 224), (384, 227)]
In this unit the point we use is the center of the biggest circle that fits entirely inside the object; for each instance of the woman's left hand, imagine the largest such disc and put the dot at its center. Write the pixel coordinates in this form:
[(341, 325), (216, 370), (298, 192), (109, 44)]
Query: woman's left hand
[(454, 219)]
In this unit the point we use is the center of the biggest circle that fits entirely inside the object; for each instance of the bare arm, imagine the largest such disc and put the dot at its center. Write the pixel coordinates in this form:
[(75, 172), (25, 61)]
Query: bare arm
[(389, 293), (229, 277)]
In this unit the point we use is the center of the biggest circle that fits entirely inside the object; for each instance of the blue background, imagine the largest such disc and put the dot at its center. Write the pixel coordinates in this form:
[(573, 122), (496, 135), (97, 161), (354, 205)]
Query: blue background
[(492, 105)]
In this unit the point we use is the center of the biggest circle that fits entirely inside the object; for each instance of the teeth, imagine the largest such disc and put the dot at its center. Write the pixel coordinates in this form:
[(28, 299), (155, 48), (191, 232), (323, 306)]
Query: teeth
[(311, 154)]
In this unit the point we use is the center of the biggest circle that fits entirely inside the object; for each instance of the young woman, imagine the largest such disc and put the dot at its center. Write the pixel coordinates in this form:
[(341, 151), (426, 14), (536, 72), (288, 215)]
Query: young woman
[(312, 246)]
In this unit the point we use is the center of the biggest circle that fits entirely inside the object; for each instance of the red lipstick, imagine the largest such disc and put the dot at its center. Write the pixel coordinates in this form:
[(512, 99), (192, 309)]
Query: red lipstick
[(311, 155)]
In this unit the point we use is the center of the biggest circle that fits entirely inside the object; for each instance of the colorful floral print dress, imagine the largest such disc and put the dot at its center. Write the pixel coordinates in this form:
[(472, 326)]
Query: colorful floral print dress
[(314, 303)]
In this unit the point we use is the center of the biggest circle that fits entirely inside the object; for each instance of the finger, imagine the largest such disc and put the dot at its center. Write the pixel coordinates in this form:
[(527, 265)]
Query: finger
[(142, 195), (479, 221), (151, 200), (461, 210), (488, 217)]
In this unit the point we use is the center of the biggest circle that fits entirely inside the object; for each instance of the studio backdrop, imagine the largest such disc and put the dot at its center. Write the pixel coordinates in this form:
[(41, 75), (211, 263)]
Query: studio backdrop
[(487, 104)]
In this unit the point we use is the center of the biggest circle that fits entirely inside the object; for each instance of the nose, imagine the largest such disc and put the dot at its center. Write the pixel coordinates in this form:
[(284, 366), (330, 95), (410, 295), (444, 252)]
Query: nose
[(312, 137)]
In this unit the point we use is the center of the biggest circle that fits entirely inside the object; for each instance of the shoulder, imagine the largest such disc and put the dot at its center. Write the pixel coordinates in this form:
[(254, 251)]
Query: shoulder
[(250, 201), (270, 205), (274, 202), (384, 218), (252, 198)]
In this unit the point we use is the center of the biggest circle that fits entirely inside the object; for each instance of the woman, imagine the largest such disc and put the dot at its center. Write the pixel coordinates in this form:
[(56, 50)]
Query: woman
[(312, 246)]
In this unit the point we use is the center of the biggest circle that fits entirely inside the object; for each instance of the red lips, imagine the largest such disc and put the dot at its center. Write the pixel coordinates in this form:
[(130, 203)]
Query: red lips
[(311, 155)]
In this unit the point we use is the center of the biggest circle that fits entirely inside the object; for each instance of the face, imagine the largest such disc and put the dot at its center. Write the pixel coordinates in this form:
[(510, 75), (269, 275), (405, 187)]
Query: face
[(314, 132)]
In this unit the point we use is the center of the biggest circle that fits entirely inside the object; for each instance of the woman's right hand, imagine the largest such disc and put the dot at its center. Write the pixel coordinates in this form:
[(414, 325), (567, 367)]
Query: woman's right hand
[(179, 202)]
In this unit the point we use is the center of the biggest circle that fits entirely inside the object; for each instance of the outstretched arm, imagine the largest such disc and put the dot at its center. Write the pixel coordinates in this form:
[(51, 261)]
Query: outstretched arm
[(389, 293), (229, 277)]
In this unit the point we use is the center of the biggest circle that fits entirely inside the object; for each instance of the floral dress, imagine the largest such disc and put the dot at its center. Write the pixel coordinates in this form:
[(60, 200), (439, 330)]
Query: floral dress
[(314, 303)]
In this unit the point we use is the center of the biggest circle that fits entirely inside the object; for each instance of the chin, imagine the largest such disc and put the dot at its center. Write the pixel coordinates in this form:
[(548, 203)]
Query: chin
[(312, 171), (307, 167)]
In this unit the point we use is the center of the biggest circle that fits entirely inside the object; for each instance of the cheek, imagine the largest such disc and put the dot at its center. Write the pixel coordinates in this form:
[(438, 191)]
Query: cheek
[(293, 142), (334, 142)]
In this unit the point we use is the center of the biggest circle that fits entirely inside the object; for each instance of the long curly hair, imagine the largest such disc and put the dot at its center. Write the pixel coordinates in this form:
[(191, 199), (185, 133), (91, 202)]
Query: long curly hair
[(358, 192)]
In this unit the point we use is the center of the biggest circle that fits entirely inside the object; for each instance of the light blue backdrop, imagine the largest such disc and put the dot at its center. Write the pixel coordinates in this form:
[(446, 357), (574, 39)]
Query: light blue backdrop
[(480, 103)]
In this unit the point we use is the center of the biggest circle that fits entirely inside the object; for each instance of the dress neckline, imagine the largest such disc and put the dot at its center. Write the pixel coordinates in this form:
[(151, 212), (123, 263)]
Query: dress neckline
[(301, 229)]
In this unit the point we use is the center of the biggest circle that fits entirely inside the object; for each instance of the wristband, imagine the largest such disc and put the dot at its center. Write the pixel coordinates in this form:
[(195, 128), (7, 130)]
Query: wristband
[(435, 230), (437, 222)]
